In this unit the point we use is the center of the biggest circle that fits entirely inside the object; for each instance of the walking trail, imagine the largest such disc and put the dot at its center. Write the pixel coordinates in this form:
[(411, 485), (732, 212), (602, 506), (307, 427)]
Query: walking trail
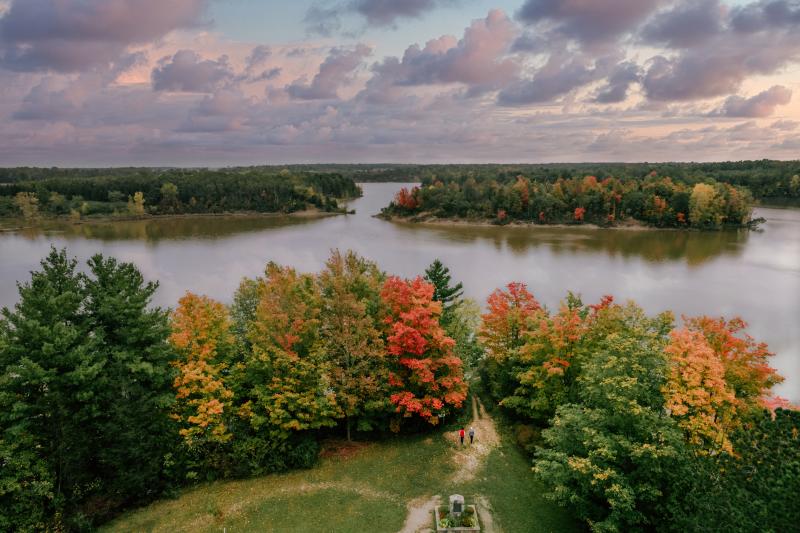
[(469, 460)]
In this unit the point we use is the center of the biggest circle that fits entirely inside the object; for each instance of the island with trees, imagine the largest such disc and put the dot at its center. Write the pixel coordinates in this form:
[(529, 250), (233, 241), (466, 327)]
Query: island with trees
[(28, 195), (653, 200)]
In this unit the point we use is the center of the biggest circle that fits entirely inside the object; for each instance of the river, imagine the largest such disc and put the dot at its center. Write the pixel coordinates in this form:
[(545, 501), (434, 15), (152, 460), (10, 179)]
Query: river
[(752, 274)]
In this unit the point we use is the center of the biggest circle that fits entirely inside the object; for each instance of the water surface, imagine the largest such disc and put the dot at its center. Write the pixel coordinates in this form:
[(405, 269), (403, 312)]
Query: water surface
[(755, 275)]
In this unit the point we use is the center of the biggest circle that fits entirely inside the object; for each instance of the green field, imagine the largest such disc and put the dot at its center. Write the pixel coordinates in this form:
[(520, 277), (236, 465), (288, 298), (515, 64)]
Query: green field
[(369, 487)]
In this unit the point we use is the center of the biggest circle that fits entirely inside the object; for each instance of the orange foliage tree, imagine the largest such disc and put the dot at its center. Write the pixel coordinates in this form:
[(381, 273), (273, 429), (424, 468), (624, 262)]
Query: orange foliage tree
[(747, 369), (407, 199), (427, 375), (696, 393), (201, 336)]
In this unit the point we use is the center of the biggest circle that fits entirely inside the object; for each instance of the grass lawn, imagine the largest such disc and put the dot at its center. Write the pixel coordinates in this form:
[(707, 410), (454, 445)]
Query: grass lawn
[(359, 489)]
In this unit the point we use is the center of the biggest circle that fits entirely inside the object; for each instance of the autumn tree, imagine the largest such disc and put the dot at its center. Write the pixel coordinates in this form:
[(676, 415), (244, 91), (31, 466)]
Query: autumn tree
[(426, 375), (611, 454), (350, 340), (283, 380), (136, 204), (745, 361), (502, 333), (202, 338), (697, 394), (28, 205)]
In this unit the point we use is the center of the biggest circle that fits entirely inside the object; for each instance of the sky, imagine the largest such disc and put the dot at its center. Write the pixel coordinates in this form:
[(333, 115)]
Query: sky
[(243, 82)]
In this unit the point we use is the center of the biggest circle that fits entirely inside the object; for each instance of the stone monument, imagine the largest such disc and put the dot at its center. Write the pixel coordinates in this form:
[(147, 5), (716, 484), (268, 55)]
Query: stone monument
[(456, 505)]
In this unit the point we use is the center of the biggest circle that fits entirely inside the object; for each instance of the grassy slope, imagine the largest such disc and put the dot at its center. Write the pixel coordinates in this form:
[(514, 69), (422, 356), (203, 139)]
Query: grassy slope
[(365, 490)]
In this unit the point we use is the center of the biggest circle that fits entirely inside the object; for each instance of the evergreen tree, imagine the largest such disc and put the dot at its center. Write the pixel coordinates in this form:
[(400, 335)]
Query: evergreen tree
[(439, 276), (84, 395)]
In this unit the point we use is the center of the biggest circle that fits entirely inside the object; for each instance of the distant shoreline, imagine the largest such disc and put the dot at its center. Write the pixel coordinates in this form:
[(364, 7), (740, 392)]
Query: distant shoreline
[(628, 225)]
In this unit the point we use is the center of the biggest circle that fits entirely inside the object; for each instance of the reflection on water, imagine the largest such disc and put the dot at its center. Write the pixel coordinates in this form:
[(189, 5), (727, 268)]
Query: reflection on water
[(651, 245), (752, 274), (158, 229)]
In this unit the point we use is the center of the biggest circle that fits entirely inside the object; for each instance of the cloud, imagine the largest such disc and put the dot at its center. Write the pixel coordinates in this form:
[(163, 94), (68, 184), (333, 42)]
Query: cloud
[(477, 60), (51, 102), (759, 106), (687, 24), (558, 77), (764, 15), (616, 90), (785, 125), (336, 71), (224, 111), (589, 22), (719, 67), (258, 56), (73, 35), (325, 19), (186, 71)]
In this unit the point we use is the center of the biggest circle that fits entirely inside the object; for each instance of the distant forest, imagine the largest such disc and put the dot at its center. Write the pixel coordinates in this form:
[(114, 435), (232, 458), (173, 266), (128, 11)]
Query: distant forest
[(766, 179), (29, 192)]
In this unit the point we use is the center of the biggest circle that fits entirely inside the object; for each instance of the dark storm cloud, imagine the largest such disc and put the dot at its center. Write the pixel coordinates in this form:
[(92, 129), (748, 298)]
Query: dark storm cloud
[(73, 35), (335, 71), (186, 71), (759, 106), (687, 24), (589, 21)]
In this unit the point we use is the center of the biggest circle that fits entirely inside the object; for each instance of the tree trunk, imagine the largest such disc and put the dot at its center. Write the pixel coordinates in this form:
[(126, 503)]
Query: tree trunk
[(347, 419)]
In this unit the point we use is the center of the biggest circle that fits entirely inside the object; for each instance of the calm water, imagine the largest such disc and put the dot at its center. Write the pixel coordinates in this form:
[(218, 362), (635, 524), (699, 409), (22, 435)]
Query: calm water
[(753, 274)]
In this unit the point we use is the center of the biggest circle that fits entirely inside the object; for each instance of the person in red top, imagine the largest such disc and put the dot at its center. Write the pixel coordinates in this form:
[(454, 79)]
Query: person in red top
[(461, 434)]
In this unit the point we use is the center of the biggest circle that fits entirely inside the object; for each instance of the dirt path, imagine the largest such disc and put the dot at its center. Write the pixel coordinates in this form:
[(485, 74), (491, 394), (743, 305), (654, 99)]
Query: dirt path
[(420, 515), (470, 457)]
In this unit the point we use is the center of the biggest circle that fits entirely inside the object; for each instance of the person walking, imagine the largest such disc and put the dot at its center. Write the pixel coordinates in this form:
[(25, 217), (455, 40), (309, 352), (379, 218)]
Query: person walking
[(461, 434), (471, 434)]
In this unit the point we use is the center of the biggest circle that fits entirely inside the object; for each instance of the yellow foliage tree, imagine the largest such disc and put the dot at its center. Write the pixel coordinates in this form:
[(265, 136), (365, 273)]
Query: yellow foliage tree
[(136, 204), (28, 204), (201, 335)]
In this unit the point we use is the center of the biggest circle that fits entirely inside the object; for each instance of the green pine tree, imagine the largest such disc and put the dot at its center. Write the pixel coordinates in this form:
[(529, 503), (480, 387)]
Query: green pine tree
[(439, 276), (85, 388)]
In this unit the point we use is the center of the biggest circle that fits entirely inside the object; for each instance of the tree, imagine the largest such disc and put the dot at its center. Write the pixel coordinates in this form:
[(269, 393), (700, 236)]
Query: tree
[(426, 375), (202, 338), (350, 340), (612, 455), (746, 362), (169, 197), (85, 388), (704, 206), (439, 276), (502, 333), (136, 204), (697, 394), (283, 382), (28, 205)]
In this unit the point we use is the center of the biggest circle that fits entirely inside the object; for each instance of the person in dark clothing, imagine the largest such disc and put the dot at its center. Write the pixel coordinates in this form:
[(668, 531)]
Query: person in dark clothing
[(471, 434)]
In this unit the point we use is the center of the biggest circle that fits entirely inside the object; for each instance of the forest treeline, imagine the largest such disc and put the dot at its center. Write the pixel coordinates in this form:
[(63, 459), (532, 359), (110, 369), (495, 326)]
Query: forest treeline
[(85, 192), (634, 422), (653, 200)]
